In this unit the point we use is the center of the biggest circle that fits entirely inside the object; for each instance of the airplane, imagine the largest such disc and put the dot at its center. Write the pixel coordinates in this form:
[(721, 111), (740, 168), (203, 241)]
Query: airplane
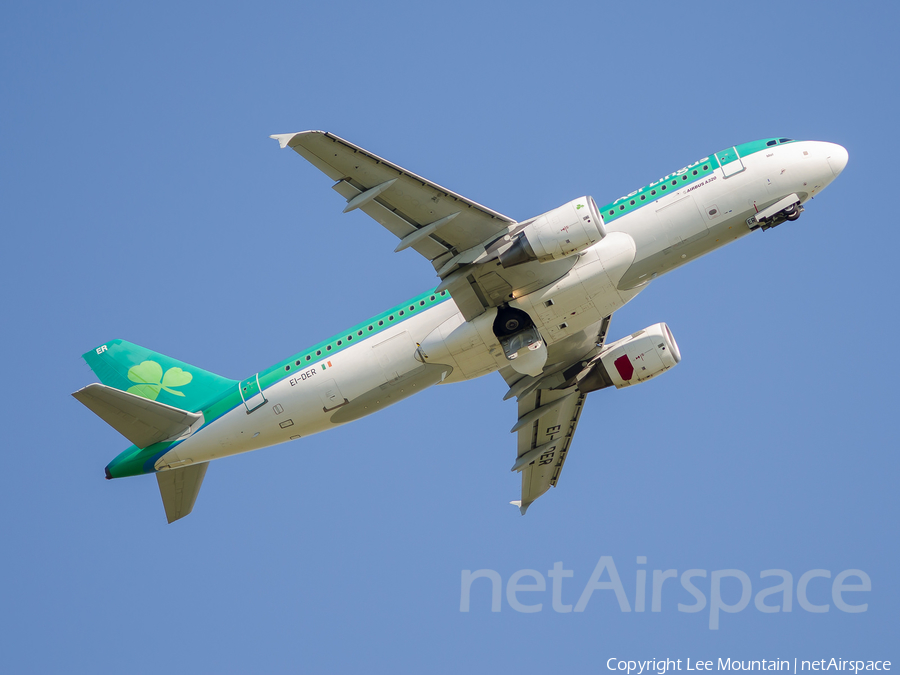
[(529, 299)]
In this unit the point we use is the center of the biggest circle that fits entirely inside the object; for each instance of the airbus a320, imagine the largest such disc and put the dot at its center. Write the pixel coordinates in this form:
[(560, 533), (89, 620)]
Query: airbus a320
[(529, 299)]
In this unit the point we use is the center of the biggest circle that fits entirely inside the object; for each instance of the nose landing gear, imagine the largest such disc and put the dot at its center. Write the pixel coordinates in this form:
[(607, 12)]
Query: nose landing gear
[(792, 212), (788, 208)]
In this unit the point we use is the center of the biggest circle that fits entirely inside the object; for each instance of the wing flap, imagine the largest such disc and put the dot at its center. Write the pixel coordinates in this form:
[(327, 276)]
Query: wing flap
[(140, 420)]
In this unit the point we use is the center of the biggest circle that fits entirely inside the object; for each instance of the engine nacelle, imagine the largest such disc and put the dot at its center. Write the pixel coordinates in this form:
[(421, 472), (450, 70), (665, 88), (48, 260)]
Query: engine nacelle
[(559, 233), (636, 358)]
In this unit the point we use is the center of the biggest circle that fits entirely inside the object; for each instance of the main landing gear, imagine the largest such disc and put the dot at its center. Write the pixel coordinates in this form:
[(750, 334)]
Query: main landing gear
[(515, 330), (520, 339)]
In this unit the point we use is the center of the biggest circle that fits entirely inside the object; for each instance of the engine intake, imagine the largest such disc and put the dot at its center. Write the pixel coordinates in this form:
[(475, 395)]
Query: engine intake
[(559, 233), (636, 358)]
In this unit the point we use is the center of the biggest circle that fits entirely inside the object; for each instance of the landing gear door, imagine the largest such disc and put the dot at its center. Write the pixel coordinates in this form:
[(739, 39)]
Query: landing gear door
[(252, 394), (730, 161)]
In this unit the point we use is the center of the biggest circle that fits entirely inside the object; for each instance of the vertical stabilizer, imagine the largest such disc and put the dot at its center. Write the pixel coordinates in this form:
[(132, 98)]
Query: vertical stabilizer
[(142, 372)]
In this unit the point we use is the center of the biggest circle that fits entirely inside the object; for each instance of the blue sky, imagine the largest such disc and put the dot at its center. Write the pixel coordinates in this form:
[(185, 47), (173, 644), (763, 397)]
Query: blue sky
[(141, 199)]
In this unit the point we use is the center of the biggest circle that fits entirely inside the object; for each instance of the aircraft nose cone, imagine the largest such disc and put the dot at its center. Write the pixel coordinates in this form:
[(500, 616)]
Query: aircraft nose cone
[(837, 158)]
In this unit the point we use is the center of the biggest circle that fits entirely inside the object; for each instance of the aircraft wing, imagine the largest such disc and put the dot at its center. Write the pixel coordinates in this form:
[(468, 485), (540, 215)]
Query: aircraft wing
[(426, 217), (458, 236), (547, 421), (549, 412)]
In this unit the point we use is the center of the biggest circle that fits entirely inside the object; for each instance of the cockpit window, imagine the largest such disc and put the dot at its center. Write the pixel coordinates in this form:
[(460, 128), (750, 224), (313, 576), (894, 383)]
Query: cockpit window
[(772, 142), (785, 140)]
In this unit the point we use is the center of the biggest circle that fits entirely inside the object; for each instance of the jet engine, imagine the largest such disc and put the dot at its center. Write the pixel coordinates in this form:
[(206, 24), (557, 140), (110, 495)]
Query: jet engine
[(559, 233), (636, 358)]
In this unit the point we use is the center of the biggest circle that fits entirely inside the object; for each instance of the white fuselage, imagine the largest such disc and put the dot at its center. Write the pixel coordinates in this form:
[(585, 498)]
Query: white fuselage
[(437, 345)]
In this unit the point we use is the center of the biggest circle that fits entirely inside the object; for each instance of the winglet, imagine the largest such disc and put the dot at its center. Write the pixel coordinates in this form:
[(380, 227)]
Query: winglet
[(522, 509), (283, 139)]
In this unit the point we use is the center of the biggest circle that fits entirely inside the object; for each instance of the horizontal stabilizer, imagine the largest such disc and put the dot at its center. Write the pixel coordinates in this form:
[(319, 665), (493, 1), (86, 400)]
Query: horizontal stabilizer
[(140, 420), (179, 489)]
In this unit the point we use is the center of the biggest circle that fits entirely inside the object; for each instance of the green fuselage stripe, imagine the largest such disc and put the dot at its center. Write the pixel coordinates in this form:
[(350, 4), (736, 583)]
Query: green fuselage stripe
[(674, 181), (351, 336)]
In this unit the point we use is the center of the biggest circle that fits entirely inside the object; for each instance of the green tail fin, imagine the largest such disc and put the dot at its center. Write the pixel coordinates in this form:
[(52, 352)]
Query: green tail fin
[(142, 372)]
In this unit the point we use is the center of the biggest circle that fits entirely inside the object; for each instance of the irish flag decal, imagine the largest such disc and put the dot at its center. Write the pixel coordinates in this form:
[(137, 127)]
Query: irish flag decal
[(326, 365)]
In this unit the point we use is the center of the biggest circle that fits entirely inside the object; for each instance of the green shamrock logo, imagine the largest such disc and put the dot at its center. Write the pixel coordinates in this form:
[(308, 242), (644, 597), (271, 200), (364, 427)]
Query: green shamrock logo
[(150, 378)]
